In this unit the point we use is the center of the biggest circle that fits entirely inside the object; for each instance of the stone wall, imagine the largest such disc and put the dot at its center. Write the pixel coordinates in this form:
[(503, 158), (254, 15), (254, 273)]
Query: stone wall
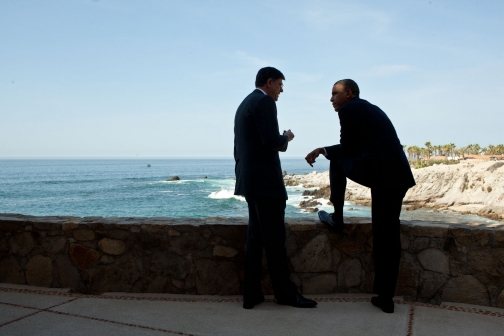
[(457, 263)]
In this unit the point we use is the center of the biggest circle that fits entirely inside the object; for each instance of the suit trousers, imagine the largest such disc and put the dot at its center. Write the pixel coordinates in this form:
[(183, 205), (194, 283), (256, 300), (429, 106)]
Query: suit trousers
[(266, 231), (385, 212)]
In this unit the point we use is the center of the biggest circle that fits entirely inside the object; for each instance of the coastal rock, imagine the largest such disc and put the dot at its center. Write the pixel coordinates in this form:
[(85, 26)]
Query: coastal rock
[(111, 246), (174, 178), (323, 192), (434, 260), (309, 203), (465, 289), (291, 182), (22, 243), (462, 187), (83, 256), (316, 256), (39, 271), (11, 271)]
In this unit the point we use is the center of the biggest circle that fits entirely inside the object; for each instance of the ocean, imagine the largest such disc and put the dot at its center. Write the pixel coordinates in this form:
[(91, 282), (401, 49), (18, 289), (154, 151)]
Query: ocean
[(139, 188)]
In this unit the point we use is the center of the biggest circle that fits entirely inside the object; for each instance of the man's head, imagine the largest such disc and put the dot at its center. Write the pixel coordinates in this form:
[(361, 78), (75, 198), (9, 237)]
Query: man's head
[(270, 80), (343, 91)]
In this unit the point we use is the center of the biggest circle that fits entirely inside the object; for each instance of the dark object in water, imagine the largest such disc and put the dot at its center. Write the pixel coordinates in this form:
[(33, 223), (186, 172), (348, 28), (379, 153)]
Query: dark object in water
[(173, 178)]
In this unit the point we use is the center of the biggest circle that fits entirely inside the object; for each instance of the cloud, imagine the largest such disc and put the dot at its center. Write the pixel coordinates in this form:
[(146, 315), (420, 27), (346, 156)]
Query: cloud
[(253, 61), (327, 15)]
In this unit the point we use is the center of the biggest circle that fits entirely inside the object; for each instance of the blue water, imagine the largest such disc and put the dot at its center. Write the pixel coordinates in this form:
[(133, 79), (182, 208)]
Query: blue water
[(128, 188)]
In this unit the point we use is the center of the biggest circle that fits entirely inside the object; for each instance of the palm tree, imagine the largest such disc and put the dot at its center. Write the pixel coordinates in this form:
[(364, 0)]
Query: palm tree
[(429, 149), (452, 148), (446, 151)]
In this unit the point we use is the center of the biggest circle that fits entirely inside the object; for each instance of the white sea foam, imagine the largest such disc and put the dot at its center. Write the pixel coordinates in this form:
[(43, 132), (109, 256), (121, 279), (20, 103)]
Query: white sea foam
[(176, 182), (225, 193)]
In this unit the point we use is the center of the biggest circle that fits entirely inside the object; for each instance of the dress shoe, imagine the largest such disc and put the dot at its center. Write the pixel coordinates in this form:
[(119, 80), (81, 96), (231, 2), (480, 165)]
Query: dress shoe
[(326, 218), (299, 301), (386, 304), (249, 304)]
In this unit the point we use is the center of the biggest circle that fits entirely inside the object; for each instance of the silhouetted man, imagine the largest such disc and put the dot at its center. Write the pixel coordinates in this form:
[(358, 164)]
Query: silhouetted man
[(369, 153), (259, 178)]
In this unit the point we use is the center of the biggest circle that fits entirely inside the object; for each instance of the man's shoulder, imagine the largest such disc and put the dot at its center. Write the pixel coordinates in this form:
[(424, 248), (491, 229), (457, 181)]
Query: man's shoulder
[(256, 96), (358, 105), (358, 102)]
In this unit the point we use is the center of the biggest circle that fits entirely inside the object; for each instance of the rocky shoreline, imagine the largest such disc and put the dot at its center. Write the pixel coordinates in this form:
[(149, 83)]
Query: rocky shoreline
[(470, 187)]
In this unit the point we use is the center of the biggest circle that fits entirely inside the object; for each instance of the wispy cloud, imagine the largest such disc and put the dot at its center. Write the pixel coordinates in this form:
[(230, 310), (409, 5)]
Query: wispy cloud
[(327, 15), (253, 60)]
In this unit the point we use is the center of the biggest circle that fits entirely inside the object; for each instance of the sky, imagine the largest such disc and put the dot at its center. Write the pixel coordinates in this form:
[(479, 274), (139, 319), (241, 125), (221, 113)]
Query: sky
[(163, 79)]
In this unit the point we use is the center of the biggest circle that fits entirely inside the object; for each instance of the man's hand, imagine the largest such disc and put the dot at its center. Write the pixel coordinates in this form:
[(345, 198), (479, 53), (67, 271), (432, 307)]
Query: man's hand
[(310, 158), (289, 134)]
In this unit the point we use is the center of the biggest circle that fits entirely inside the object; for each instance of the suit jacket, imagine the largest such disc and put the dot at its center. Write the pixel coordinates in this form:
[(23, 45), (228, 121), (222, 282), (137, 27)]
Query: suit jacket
[(370, 151), (256, 145)]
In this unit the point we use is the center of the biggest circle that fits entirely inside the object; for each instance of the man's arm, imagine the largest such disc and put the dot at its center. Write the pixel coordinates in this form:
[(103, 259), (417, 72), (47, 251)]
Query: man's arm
[(351, 131), (265, 117), (332, 151)]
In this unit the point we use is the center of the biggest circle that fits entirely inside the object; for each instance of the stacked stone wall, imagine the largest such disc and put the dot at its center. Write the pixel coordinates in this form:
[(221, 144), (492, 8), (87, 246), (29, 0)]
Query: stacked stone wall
[(455, 263)]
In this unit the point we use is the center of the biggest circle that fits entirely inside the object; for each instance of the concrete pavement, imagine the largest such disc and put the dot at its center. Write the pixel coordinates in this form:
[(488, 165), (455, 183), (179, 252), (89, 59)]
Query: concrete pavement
[(26, 310)]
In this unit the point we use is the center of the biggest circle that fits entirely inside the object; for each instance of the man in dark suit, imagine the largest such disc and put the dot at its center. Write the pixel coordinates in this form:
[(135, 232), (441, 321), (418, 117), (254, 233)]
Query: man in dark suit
[(370, 154), (259, 178)]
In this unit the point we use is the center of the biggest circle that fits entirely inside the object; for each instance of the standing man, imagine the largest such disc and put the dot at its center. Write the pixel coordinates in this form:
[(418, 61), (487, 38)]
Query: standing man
[(259, 178), (369, 153)]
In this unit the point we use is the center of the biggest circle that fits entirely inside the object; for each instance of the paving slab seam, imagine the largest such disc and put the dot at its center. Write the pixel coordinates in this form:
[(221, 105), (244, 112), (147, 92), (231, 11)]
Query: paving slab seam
[(478, 311), (38, 310), (471, 310), (49, 310), (411, 320), (122, 323)]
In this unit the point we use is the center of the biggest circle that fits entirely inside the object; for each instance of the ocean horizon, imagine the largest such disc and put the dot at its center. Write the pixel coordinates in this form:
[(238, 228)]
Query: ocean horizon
[(139, 187)]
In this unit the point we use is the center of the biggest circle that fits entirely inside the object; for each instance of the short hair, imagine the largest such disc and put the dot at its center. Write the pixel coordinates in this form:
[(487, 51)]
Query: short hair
[(349, 84), (266, 73)]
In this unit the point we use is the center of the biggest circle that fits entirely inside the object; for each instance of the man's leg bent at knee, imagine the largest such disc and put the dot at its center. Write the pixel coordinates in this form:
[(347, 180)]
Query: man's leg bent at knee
[(338, 182)]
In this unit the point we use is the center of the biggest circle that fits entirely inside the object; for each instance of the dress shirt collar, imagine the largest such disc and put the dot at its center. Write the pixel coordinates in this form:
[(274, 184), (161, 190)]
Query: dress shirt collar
[(261, 90)]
